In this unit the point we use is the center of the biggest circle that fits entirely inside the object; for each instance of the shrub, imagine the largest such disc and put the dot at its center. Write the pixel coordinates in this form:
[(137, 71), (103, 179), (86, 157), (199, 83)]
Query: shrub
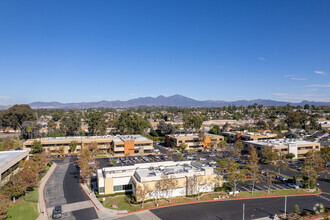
[(303, 213), (296, 209)]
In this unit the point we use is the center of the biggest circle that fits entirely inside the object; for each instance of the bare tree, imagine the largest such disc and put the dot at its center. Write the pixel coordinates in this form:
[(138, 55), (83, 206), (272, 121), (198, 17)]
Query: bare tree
[(234, 174), (142, 192), (253, 166)]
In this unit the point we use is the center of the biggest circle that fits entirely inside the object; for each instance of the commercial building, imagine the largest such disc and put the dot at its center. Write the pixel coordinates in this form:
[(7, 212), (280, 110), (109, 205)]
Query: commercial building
[(115, 145), (233, 136), (296, 146), (128, 178), (9, 161), (193, 141)]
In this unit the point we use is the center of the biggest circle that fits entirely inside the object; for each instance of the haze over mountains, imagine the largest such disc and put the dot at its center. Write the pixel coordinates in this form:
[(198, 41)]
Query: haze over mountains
[(175, 100)]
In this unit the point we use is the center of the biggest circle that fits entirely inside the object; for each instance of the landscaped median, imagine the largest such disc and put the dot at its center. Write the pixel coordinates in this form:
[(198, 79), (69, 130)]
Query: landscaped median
[(124, 202)]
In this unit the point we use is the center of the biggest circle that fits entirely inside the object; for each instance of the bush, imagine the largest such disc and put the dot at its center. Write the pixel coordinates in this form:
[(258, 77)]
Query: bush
[(303, 213), (50, 163), (296, 209)]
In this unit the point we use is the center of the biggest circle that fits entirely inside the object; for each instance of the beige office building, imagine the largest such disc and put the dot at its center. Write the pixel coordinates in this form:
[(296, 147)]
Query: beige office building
[(233, 136), (127, 178), (9, 161), (296, 146), (193, 141), (115, 145)]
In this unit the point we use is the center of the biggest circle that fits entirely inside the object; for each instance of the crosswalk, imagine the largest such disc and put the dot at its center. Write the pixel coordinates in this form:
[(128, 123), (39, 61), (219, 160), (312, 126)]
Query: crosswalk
[(261, 187), (323, 197)]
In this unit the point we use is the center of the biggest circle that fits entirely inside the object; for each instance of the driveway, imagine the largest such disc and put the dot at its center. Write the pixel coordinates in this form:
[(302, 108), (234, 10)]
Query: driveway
[(63, 189)]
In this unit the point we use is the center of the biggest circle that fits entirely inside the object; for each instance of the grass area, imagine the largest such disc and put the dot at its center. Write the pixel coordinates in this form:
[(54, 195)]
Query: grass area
[(44, 172), (32, 196), (122, 201), (101, 155), (23, 211), (271, 193)]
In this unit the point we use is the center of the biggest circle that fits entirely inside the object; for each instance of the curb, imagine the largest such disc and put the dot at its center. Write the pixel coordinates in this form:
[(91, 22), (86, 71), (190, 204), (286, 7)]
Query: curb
[(88, 197), (43, 190), (223, 200)]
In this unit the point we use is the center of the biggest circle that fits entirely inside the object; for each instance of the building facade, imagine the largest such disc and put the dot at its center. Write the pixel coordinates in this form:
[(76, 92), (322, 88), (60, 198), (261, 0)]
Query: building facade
[(296, 146), (193, 141), (9, 161), (128, 178), (116, 145), (233, 136)]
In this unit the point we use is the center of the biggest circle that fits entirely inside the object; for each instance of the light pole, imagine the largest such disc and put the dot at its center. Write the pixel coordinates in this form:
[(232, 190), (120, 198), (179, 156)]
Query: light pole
[(285, 206), (243, 210)]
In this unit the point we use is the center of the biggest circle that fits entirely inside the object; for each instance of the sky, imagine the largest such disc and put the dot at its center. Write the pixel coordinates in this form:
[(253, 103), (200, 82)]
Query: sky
[(79, 51)]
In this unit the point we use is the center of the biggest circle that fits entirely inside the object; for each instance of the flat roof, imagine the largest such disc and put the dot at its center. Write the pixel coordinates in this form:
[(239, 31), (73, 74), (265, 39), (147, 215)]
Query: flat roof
[(187, 136), (280, 142), (8, 156), (118, 138)]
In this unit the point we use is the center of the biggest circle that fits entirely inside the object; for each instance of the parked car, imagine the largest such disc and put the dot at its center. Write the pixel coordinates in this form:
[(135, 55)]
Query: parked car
[(282, 178), (202, 159), (57, 212), (212, 155), (294, 186), (190, 157)]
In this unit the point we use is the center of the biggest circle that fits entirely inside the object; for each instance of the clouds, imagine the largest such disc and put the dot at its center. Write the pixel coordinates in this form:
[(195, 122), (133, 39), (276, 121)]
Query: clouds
[(320, 72), (260, 58), (319, 85), (294, 77), (303, 96)]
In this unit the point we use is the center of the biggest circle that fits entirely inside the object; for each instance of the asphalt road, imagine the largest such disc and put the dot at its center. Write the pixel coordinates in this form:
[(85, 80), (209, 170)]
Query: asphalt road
[(63, 188), (254, 208)]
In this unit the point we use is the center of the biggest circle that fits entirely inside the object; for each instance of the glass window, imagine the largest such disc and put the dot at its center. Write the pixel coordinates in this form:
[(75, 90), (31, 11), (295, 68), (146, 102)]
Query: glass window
[(101, 189)]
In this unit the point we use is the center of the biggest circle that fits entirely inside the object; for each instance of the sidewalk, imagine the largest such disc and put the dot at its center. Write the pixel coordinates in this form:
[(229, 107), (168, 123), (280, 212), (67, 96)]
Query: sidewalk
[(41, 201), (102, 212)]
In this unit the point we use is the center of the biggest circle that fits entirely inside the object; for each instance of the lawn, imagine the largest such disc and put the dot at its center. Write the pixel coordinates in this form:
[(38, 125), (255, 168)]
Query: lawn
[(122, 201), (32, 196), (23, 211)]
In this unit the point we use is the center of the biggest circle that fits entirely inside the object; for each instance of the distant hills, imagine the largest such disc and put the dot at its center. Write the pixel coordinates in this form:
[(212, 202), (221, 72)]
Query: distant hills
[(175, 100)]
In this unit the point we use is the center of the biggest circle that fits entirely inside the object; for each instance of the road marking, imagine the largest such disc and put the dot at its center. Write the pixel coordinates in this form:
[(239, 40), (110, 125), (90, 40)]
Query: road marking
[(245, 188), (73, 206), (275, 187), (281, 187), (325, 198)]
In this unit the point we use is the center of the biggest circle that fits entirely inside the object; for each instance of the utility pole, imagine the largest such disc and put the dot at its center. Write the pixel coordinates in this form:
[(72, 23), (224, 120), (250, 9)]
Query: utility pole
[(285, 206), (243, 210)]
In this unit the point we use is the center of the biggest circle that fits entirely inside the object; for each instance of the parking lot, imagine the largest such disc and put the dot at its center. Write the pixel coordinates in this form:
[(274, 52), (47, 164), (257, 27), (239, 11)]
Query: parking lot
[(206, 157)]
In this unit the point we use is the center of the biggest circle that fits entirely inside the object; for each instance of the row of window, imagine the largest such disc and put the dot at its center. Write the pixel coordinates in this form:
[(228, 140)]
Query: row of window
[(122, 187)]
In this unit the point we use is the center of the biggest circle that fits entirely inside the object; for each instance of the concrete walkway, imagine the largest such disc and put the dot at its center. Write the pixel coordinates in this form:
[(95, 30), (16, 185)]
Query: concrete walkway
[(102, 212), (41, 190)]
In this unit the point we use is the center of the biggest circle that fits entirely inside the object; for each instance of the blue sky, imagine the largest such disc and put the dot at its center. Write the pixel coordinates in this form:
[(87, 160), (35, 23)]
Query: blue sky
[(76, 50)]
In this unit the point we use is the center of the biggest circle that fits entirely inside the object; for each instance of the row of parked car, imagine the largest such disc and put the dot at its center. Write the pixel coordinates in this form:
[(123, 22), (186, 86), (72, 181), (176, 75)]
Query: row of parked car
[(288, 182)]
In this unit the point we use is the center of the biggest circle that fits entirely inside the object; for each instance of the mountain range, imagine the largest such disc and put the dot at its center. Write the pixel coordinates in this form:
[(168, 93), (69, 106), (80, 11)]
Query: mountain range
[(175, 100)]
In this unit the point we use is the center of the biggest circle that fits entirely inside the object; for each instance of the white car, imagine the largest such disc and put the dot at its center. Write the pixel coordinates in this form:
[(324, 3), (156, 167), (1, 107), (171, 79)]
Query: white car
[(294, 186), (202, 159)]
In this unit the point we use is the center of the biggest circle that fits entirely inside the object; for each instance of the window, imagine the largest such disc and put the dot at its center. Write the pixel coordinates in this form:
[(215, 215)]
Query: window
[(101, 190), (122, 187)]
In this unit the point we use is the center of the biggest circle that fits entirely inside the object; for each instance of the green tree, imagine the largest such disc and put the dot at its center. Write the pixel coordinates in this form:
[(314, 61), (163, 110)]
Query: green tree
[(193, 122), (131, 123), (215, 130), (71, 123), (36, 147), (73, 146), (96, 123), (165, 128), (16, 115)]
